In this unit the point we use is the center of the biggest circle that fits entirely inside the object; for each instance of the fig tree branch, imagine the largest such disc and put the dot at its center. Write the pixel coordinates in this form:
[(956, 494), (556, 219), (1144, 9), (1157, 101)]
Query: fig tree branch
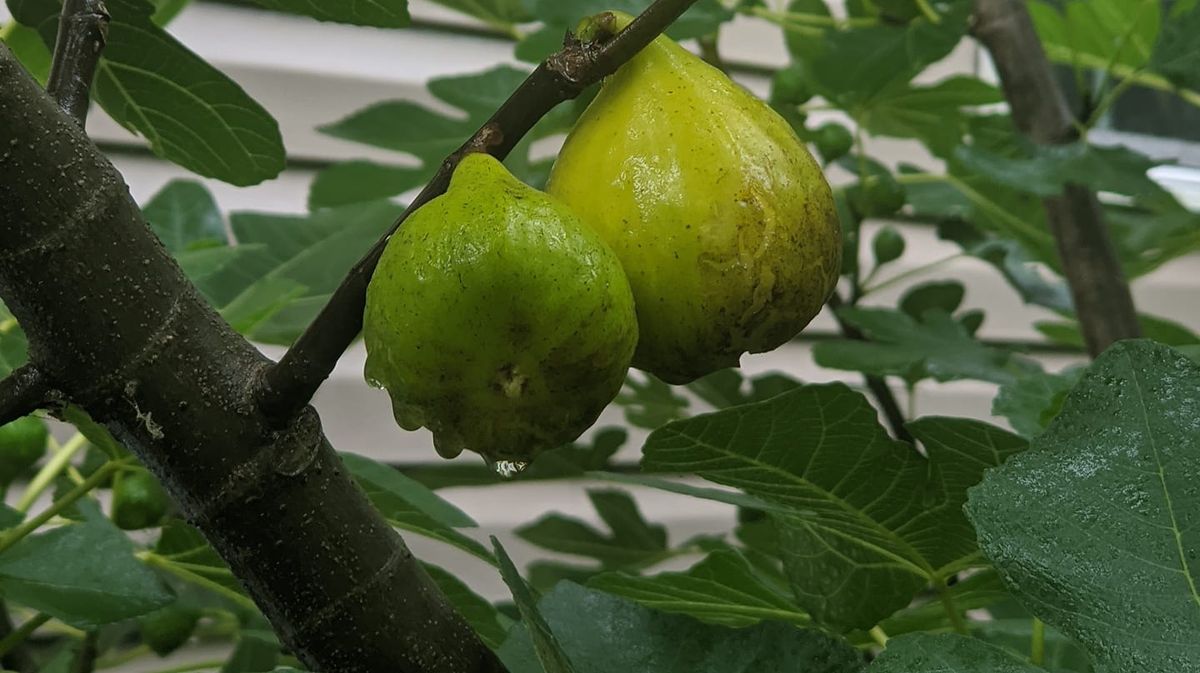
[(145, 354), (82, 28), (1101, 295), (82, 32), (21, 393), (291, 383)]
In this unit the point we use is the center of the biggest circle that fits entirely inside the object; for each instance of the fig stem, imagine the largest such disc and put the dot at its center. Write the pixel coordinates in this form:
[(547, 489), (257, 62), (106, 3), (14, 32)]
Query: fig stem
[(876, 384), (287, 386), (82, 33)]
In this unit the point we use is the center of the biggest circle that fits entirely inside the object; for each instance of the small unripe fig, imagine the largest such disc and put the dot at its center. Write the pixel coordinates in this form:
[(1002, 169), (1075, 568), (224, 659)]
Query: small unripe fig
[(138, 501), (497, 319), (833, 141), (879, 195), (22, 445), (722, 219)]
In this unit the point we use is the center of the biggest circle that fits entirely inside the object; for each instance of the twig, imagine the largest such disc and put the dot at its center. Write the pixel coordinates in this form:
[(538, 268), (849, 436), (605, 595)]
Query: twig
[(1103, 303), (18, 657), (82, 32), (21, 393), (85, 658), (18, 635), (290, 384), (878, 387)]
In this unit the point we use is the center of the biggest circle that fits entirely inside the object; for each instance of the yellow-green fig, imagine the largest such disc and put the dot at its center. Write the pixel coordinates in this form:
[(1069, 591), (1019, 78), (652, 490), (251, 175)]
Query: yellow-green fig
[(722, 219), (497, 319)]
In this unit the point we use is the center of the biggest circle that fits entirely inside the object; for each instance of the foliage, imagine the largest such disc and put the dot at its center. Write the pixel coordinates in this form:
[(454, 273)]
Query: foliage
[(1075, 532)]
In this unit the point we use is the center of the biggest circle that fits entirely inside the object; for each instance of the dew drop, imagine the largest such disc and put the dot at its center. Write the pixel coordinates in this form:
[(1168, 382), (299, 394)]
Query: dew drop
[(510, 468)]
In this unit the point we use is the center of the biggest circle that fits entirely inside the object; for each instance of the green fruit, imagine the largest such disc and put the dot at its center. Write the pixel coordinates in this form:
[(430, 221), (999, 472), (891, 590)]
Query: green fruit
[(789, 86), (139, 501), (497, 319), (880, 196), (887, 245), (833, 141), (167, 629), (723, 221), (22, 445)]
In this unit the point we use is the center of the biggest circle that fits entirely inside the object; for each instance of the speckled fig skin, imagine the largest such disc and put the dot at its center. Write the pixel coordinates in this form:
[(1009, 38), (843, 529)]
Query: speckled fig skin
[(722, 219), (497, 319)]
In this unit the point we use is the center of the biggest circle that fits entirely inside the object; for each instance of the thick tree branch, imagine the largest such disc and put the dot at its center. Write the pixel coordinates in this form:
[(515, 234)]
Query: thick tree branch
[(114, 325), (291, 383), (1103, 303), (876, 384), (21, 393), (82, 32)]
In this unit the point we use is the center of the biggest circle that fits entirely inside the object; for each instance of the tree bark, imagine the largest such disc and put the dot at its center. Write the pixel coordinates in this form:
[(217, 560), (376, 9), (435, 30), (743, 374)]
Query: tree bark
[(1102, 299), (116, 327)]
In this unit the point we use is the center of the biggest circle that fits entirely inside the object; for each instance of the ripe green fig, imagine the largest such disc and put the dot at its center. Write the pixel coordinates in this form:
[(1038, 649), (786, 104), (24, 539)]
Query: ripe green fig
[(497, 319), (723, 221)]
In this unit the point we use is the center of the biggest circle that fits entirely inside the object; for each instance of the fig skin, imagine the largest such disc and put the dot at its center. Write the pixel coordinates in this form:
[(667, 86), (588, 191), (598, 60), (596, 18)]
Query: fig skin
[(497, 319), (723, 220)]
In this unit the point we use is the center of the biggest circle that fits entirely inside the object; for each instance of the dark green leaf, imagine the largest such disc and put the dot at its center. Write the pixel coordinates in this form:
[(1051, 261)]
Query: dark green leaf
[(499, 13), (979, 590), (937, 343), (257, 651), (1033, 400), (1025, 277), (649, 402), (181, 543), (357, 181), (722, 589), (487, 621), (870, 515), (702, 18), (1016, 633), (632, 541), (311, 252), (1095, 527), (545, 645), (97, 434), (945, 296), (30, 50), (932, 114), (83, 574), (388, 483), (853, 67), (379, 13), (727, 387), (1044, 170), (604, 633), (946, 653), (188, 111), (1177, 54), (726, 496), (10, 517), (1122, 32), (184, 216), (13, 347)]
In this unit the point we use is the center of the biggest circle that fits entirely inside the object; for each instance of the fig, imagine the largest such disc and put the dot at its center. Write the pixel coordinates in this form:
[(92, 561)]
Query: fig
[(723, 221), (833, 141), (497, 319)]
